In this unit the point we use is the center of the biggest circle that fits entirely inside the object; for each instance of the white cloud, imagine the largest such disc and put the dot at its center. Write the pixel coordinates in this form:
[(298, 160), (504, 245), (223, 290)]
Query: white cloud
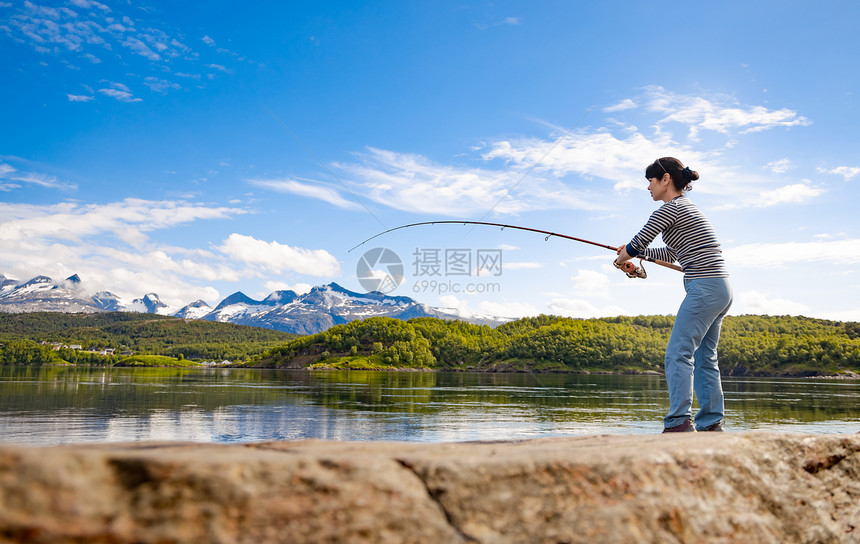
[(279, 258), (846, 172), (513, 21), (320, 192), (414, 183), (621, 161), (79, 98), (67, 238), (556, 172), (488, 308), (779, 167), (592, 282), (159, 85), (89, 4), (208, 41), (580, 308), (140, 48), (626, 104), (789, 194), (43, 180), (797, 193), (774, 255), (120, 92), (9, 179), (85, 30), (71, 221), (720, 114), (298, 288), (754, 302)]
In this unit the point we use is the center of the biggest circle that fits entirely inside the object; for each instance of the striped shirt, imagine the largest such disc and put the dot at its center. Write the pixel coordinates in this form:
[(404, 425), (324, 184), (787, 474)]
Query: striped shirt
[(690, 239)]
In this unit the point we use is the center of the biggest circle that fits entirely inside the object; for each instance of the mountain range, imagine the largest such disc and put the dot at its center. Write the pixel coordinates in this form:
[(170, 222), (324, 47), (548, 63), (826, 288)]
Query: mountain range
[(309, 313)]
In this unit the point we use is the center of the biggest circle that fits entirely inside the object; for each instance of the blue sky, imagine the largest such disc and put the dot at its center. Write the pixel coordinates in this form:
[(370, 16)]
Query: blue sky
[(198, 149)]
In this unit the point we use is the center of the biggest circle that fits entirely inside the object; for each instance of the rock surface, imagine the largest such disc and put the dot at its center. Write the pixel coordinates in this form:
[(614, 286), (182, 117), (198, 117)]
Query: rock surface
[(703, 487)]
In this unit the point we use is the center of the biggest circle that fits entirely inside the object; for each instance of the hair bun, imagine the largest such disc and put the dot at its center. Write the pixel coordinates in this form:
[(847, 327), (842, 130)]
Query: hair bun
[(690, 175)]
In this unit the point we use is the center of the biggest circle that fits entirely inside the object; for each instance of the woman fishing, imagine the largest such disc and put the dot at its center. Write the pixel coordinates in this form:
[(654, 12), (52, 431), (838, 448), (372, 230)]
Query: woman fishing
[(691, 356)]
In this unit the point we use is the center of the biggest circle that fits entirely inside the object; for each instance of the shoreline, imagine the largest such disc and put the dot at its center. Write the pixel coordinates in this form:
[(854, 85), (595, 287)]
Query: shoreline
[(848, 375)]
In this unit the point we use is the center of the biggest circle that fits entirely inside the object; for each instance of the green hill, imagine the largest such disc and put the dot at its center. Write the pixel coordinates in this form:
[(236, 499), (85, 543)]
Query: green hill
[(750, 345), (129, 332)]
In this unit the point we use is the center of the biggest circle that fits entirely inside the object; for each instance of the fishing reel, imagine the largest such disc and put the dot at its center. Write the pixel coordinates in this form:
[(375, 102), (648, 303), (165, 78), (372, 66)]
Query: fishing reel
[(631, 269)]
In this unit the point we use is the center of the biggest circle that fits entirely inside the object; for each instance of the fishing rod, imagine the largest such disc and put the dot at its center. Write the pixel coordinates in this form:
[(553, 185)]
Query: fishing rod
[(548, 234)]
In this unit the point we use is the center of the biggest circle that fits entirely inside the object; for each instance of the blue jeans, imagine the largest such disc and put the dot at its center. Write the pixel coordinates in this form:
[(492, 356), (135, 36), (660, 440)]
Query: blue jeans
[(691, 356)]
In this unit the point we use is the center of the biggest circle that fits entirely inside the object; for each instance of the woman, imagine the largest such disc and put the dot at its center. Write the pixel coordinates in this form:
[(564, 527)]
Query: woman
[(691, 356)]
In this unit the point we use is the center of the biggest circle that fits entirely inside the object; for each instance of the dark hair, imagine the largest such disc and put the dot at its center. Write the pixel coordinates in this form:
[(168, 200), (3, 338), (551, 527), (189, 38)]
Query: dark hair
[(681, 175)]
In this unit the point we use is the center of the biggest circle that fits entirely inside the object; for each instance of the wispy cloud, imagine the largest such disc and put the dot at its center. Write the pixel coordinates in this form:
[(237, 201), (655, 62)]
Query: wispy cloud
[(719, 114), (91, 31), (560, 170), (507, 21), (219, 68), (847, 172), (119, 92), (412, 182), (779, 167), (11, 178), (626, 104), (140, 48), (796, 193), (601, 154), (159, 85), (309, 190), (74, 221), (80, 98)]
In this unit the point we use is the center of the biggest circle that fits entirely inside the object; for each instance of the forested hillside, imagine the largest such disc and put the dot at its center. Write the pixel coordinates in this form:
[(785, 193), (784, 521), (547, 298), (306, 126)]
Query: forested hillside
[(751, 345), (20, 335)]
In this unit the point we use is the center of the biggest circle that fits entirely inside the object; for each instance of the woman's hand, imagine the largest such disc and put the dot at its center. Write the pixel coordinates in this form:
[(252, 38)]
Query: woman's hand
[(623, 256), (622, 262)]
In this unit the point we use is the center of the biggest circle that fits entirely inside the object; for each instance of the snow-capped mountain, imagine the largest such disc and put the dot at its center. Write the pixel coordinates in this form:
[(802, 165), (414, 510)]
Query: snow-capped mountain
[(317, 310), (153, 305), (42, 294), (321, 308), (196, 310)]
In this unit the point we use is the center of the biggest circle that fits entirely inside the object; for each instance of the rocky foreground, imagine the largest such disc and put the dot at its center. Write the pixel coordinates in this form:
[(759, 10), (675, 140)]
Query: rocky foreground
[(704, 487)]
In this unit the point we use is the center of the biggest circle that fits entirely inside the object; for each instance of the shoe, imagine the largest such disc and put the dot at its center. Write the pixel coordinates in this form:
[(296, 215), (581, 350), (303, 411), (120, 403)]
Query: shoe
[(716, 427), (685, 427)]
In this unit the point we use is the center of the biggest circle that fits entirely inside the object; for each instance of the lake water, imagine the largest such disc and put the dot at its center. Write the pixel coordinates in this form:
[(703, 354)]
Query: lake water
[(59, 405)]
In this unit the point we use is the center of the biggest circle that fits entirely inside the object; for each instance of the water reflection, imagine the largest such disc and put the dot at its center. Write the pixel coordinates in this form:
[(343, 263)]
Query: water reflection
[(53, 405)]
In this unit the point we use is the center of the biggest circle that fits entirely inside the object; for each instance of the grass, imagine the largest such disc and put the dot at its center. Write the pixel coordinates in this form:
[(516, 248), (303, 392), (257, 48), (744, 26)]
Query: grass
[(356, 362), (154, 360)]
